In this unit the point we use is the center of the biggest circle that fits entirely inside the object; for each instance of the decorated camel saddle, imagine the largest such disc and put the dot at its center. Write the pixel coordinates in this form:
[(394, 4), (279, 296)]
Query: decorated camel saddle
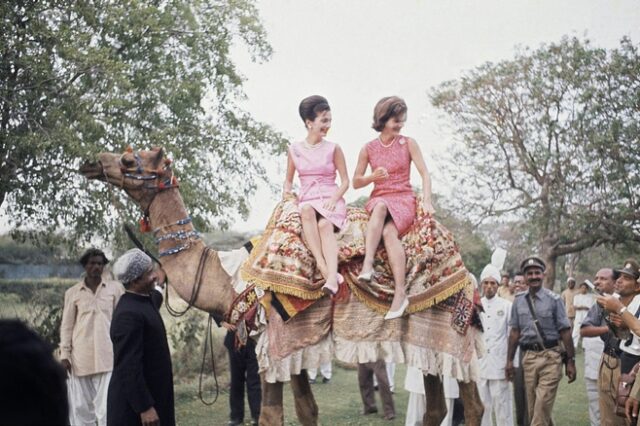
[(281, 263), (282, 270)]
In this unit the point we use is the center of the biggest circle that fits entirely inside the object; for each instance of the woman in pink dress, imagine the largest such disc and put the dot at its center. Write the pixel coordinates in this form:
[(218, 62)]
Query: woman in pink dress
[(392, 204), (322, 208)]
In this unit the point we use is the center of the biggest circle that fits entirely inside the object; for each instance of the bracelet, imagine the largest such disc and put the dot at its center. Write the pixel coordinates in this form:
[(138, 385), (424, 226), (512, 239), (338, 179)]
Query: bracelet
[(622, 310)]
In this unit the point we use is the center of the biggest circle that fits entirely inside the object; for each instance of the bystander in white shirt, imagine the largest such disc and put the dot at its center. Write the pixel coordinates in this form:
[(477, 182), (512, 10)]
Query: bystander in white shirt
[(493, 387)]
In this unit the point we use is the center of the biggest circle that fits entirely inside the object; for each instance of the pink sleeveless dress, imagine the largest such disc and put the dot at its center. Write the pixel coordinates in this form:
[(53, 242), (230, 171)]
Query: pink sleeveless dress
[(395, 192), (317, 173)]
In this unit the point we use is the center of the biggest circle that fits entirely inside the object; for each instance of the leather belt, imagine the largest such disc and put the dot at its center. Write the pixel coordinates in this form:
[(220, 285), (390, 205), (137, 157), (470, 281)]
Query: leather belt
[(537, 347)]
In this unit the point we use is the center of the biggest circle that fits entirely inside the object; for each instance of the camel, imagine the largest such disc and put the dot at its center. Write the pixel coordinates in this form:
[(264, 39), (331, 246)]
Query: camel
[(343, 327)]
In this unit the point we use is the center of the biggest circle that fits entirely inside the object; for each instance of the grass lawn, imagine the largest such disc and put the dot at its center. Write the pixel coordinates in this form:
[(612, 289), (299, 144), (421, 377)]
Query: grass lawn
[(340, 404)]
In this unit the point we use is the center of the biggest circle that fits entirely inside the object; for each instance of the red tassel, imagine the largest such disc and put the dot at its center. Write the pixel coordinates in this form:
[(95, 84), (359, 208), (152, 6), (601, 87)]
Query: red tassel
[(144, 225)]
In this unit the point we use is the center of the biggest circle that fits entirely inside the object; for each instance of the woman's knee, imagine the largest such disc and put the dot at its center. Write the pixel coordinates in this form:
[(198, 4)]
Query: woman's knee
[(307, 212), (389, 232), (324, 226), (379, 211)]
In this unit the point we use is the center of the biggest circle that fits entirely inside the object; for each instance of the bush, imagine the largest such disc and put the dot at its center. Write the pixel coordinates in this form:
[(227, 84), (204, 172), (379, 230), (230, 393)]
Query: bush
[(187, 339), (37, 302)]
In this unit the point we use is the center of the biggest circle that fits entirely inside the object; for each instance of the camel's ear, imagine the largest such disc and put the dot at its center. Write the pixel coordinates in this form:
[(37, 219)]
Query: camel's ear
[(157, 159)]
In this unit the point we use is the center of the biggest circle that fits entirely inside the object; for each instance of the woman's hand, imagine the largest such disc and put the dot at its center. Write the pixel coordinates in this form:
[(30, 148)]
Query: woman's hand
[(379, 174), (330, 205)]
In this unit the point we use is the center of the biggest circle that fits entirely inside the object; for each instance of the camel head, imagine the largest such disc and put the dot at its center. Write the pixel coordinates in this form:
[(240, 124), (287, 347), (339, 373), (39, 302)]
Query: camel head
[(141, 174)]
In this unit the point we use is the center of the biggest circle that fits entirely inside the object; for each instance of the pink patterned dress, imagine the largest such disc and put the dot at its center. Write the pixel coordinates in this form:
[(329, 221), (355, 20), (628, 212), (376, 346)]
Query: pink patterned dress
[(395, 191), (317, 173)]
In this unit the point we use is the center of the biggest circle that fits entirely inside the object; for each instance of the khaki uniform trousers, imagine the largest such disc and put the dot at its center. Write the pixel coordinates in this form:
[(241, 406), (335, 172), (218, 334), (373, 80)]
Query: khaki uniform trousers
[(542, 374), (608, 375)]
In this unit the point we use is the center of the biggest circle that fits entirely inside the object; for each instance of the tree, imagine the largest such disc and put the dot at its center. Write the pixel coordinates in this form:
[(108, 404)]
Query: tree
[(80, 77), (551, 137)]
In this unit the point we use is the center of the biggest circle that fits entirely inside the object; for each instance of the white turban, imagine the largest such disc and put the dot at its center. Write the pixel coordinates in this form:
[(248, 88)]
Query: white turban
[(131, 265), (490, 271)]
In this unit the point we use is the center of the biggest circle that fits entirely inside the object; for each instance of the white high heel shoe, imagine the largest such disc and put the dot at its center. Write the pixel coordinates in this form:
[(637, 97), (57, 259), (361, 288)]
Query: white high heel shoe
[(397, 314), (365, 276)]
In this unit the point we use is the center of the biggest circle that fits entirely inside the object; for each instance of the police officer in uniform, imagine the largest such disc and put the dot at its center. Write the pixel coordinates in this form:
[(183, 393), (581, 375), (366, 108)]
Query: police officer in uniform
[(542, 360)]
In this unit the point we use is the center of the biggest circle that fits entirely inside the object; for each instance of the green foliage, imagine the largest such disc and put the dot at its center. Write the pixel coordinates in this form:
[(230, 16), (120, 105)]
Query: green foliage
[(80, 77), (37, 302), (15, 252), (551, 138), (47, 291), (475, 251)]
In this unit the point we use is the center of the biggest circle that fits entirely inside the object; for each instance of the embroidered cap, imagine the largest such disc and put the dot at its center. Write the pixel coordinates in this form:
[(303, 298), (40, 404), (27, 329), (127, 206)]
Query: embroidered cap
[(131, 265), (532, 261)]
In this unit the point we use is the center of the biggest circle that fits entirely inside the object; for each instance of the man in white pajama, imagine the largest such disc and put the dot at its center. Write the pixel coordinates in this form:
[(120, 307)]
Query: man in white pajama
[(493, 385), (86, 348), (593, 348)]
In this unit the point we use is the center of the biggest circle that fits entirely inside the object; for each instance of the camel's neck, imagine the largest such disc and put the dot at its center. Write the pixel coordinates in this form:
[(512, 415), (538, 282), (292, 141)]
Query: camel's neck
[(181, 253)]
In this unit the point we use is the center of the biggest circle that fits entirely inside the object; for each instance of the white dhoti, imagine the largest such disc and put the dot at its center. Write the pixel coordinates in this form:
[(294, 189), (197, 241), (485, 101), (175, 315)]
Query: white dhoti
[(325, 371), (414, 383), (496, 398), (451, 393), (593, 347), (88, 399), (417, 405)]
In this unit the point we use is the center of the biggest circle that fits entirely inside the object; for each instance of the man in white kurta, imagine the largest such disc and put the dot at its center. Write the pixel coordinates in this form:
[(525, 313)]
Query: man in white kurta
[(582, 302), (86, 351), (493, 385)]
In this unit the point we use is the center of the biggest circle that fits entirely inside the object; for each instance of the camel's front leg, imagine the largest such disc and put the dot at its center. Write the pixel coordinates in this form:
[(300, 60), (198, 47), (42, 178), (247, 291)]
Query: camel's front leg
[(437, 407), (271, 411), (473, 408), (306, 407)]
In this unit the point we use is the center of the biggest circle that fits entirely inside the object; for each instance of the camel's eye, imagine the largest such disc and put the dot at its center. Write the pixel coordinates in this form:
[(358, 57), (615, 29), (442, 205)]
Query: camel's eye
[(127, 160)]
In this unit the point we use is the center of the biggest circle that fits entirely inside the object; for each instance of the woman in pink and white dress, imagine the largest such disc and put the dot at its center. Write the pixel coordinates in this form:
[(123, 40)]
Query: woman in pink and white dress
[(322, 208), (392, 204)]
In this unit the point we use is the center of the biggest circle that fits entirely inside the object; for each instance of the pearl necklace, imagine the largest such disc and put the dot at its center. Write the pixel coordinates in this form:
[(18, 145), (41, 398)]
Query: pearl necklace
[(387, 146), (312, 146)]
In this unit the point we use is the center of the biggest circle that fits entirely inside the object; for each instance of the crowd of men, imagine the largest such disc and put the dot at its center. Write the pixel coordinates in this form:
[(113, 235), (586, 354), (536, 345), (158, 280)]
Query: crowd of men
[(537, 332), (113, 346)]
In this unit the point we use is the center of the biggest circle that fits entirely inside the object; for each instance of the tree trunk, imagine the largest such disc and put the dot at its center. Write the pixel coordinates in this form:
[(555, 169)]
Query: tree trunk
[(547, 254)]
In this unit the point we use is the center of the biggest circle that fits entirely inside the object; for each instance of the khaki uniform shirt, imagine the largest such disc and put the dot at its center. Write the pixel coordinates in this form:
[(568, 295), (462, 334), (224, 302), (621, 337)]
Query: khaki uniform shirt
[(84, 332), (550, 312), (567, 298)]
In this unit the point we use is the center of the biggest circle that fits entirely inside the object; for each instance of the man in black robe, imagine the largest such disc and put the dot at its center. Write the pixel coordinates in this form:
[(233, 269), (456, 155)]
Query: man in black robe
[(141, 388)]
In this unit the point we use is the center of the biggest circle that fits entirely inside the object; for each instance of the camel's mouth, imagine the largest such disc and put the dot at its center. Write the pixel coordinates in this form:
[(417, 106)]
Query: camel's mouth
[(92, 170)]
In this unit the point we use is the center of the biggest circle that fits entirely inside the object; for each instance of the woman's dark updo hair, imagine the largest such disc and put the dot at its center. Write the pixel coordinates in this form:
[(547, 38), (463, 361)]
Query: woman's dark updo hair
[(311, 106), (391, 106)]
